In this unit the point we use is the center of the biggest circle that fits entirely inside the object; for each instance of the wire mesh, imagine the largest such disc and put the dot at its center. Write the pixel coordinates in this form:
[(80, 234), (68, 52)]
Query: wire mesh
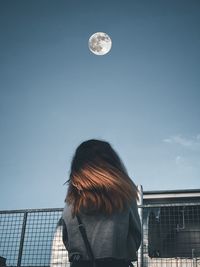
[(10, 234), (32, 238), (171, 237)]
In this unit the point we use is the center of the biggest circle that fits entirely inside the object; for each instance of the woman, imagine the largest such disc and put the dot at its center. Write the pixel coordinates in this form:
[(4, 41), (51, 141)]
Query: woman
[(102, 194)]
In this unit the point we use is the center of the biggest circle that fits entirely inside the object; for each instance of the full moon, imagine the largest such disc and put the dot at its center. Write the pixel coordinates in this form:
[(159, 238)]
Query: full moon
[(100, 43)]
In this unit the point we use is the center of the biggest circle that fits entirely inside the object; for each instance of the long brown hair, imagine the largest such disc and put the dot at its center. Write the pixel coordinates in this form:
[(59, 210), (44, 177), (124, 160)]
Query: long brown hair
[(98, 180)]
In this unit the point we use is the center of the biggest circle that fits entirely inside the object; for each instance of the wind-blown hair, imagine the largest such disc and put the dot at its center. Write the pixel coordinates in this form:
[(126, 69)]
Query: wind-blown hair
[(98, 180)]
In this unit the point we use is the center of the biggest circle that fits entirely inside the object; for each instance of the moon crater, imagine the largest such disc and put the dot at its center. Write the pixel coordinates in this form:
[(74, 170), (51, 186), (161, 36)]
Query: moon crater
[(100, 43)]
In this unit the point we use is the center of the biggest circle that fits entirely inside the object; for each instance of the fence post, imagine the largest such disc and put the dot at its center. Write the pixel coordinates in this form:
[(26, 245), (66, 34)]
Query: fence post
[(140, 211), (22, 240)]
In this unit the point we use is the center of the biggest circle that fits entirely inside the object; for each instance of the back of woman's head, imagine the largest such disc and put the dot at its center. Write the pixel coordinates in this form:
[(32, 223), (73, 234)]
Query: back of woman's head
[(98, 180)]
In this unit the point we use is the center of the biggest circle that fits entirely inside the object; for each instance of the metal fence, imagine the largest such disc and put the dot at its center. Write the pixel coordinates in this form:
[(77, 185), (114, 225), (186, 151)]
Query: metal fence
[(171, 237), (26, 236)]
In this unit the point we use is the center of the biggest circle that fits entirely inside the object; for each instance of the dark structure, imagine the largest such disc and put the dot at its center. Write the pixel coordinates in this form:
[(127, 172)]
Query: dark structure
[(2, 262)]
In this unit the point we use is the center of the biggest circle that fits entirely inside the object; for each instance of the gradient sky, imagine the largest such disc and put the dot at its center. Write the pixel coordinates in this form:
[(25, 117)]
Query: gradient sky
[(143, 97)]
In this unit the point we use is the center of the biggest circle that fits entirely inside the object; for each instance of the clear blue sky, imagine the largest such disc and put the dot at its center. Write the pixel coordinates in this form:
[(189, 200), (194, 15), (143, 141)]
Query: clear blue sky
[(143, 97)]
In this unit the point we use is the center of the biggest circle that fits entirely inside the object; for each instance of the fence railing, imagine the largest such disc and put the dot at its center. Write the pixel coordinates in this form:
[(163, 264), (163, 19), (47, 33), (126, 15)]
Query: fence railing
[(171, 237), (26, 236)]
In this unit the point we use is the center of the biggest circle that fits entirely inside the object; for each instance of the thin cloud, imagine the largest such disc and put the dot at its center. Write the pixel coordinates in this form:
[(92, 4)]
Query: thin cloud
[(189, 143), (178, 160)]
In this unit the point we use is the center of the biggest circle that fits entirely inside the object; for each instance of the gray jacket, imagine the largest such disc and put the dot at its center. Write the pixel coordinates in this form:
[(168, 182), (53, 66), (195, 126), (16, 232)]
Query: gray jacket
[(116, 236)]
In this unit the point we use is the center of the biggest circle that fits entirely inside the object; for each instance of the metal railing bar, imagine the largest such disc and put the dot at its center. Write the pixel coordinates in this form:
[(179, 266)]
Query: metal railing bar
[(22, 240), (169, 205), (30, 210)]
